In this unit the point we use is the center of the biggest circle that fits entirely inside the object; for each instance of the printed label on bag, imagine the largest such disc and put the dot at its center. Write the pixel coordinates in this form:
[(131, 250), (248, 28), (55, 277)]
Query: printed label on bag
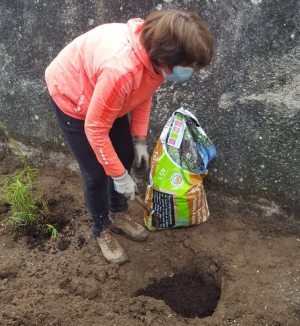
[(176, 134), (163, 205)]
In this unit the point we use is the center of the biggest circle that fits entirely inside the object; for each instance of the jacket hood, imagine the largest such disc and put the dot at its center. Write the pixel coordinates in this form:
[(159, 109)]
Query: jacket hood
[(135, 27)]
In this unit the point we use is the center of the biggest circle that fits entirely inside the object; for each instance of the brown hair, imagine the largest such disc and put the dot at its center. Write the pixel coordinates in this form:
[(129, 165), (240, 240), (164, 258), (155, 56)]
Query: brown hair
[(172, 37)]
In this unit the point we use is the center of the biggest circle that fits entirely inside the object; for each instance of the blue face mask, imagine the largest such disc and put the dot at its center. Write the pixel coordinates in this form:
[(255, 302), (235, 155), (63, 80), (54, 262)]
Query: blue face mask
[(179, 74)]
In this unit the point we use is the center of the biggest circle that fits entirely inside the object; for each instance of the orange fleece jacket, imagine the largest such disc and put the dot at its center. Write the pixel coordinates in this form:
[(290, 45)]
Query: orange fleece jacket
[(100, 76)]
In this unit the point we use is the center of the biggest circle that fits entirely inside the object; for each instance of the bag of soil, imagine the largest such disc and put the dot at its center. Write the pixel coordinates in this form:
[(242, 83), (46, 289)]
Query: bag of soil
[(177, 167)]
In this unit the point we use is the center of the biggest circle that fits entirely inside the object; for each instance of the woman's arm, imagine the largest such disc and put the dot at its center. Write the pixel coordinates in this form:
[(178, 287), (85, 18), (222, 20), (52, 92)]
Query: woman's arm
[(109, 95)]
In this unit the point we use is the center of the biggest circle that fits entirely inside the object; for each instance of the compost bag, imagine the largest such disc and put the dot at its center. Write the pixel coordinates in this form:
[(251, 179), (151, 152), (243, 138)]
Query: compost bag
[(177, 167)]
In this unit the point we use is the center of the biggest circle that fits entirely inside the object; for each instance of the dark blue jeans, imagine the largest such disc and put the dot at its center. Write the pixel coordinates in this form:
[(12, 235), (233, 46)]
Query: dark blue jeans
[(99, 193)]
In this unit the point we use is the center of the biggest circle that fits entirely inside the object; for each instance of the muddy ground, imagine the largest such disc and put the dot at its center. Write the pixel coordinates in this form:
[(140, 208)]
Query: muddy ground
[(241, 267)]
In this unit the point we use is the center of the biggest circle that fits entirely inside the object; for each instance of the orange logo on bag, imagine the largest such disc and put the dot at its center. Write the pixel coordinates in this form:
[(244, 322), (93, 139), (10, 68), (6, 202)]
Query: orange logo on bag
[(177, 179)]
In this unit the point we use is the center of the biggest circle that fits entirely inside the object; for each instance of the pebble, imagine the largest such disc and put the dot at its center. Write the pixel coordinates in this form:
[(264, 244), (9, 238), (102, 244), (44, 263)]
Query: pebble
[(213, 268)]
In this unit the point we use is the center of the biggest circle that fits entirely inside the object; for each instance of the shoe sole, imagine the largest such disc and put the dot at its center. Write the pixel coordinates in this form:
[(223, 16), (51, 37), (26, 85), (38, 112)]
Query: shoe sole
[(119, 231), (119, 261)]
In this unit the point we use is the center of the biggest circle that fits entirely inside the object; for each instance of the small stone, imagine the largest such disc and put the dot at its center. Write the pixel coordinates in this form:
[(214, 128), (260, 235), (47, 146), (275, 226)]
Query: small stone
[(213, 268)]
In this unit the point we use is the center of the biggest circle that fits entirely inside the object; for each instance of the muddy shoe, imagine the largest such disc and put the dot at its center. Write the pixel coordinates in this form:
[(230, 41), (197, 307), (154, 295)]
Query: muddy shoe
[(110, 247), (123, 223)]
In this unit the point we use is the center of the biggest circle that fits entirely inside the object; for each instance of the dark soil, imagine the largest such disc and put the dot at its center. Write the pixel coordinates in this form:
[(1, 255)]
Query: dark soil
[(189, 296), (241, 267), (37, 232)]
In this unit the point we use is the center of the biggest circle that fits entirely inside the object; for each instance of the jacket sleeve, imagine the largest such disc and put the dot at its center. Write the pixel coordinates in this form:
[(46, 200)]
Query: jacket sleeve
[(110, 92), (139, 118)]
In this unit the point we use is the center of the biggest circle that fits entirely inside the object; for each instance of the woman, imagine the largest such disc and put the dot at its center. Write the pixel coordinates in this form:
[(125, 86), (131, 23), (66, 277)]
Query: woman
[(95, 82)]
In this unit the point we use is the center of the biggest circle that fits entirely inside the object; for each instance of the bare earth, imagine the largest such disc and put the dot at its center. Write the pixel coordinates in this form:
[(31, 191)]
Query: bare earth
[(247, 251)]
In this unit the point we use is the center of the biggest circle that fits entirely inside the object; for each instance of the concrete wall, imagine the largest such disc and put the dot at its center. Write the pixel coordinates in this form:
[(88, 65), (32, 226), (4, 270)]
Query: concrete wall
[(247, 100)]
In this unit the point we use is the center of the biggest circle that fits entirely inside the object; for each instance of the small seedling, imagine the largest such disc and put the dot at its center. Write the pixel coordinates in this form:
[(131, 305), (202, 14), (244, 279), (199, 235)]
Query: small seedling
[(21, 191), (51, 229)]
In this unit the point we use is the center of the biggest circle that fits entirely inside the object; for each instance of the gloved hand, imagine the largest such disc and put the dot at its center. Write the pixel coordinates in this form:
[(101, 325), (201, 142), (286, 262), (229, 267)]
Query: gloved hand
[(141, 155), (125, 185)]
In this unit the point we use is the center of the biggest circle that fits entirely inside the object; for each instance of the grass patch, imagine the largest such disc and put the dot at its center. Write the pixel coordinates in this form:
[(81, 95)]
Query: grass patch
[(21, 191)]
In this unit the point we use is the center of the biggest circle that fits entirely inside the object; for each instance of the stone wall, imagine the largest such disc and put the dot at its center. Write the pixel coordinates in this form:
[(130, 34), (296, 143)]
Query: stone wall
[(248, 100)]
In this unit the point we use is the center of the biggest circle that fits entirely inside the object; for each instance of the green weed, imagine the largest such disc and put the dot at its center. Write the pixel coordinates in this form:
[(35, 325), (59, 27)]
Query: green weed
[(51, 229), (21, 191)]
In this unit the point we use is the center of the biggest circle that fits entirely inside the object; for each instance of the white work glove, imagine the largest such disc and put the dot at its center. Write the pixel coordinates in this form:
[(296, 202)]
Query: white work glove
[(141, 154), (125, 185)]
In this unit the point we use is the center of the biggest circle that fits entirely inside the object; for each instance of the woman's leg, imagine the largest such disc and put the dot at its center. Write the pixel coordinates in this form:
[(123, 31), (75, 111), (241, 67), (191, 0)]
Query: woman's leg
[(122, 222), (95, 180)]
